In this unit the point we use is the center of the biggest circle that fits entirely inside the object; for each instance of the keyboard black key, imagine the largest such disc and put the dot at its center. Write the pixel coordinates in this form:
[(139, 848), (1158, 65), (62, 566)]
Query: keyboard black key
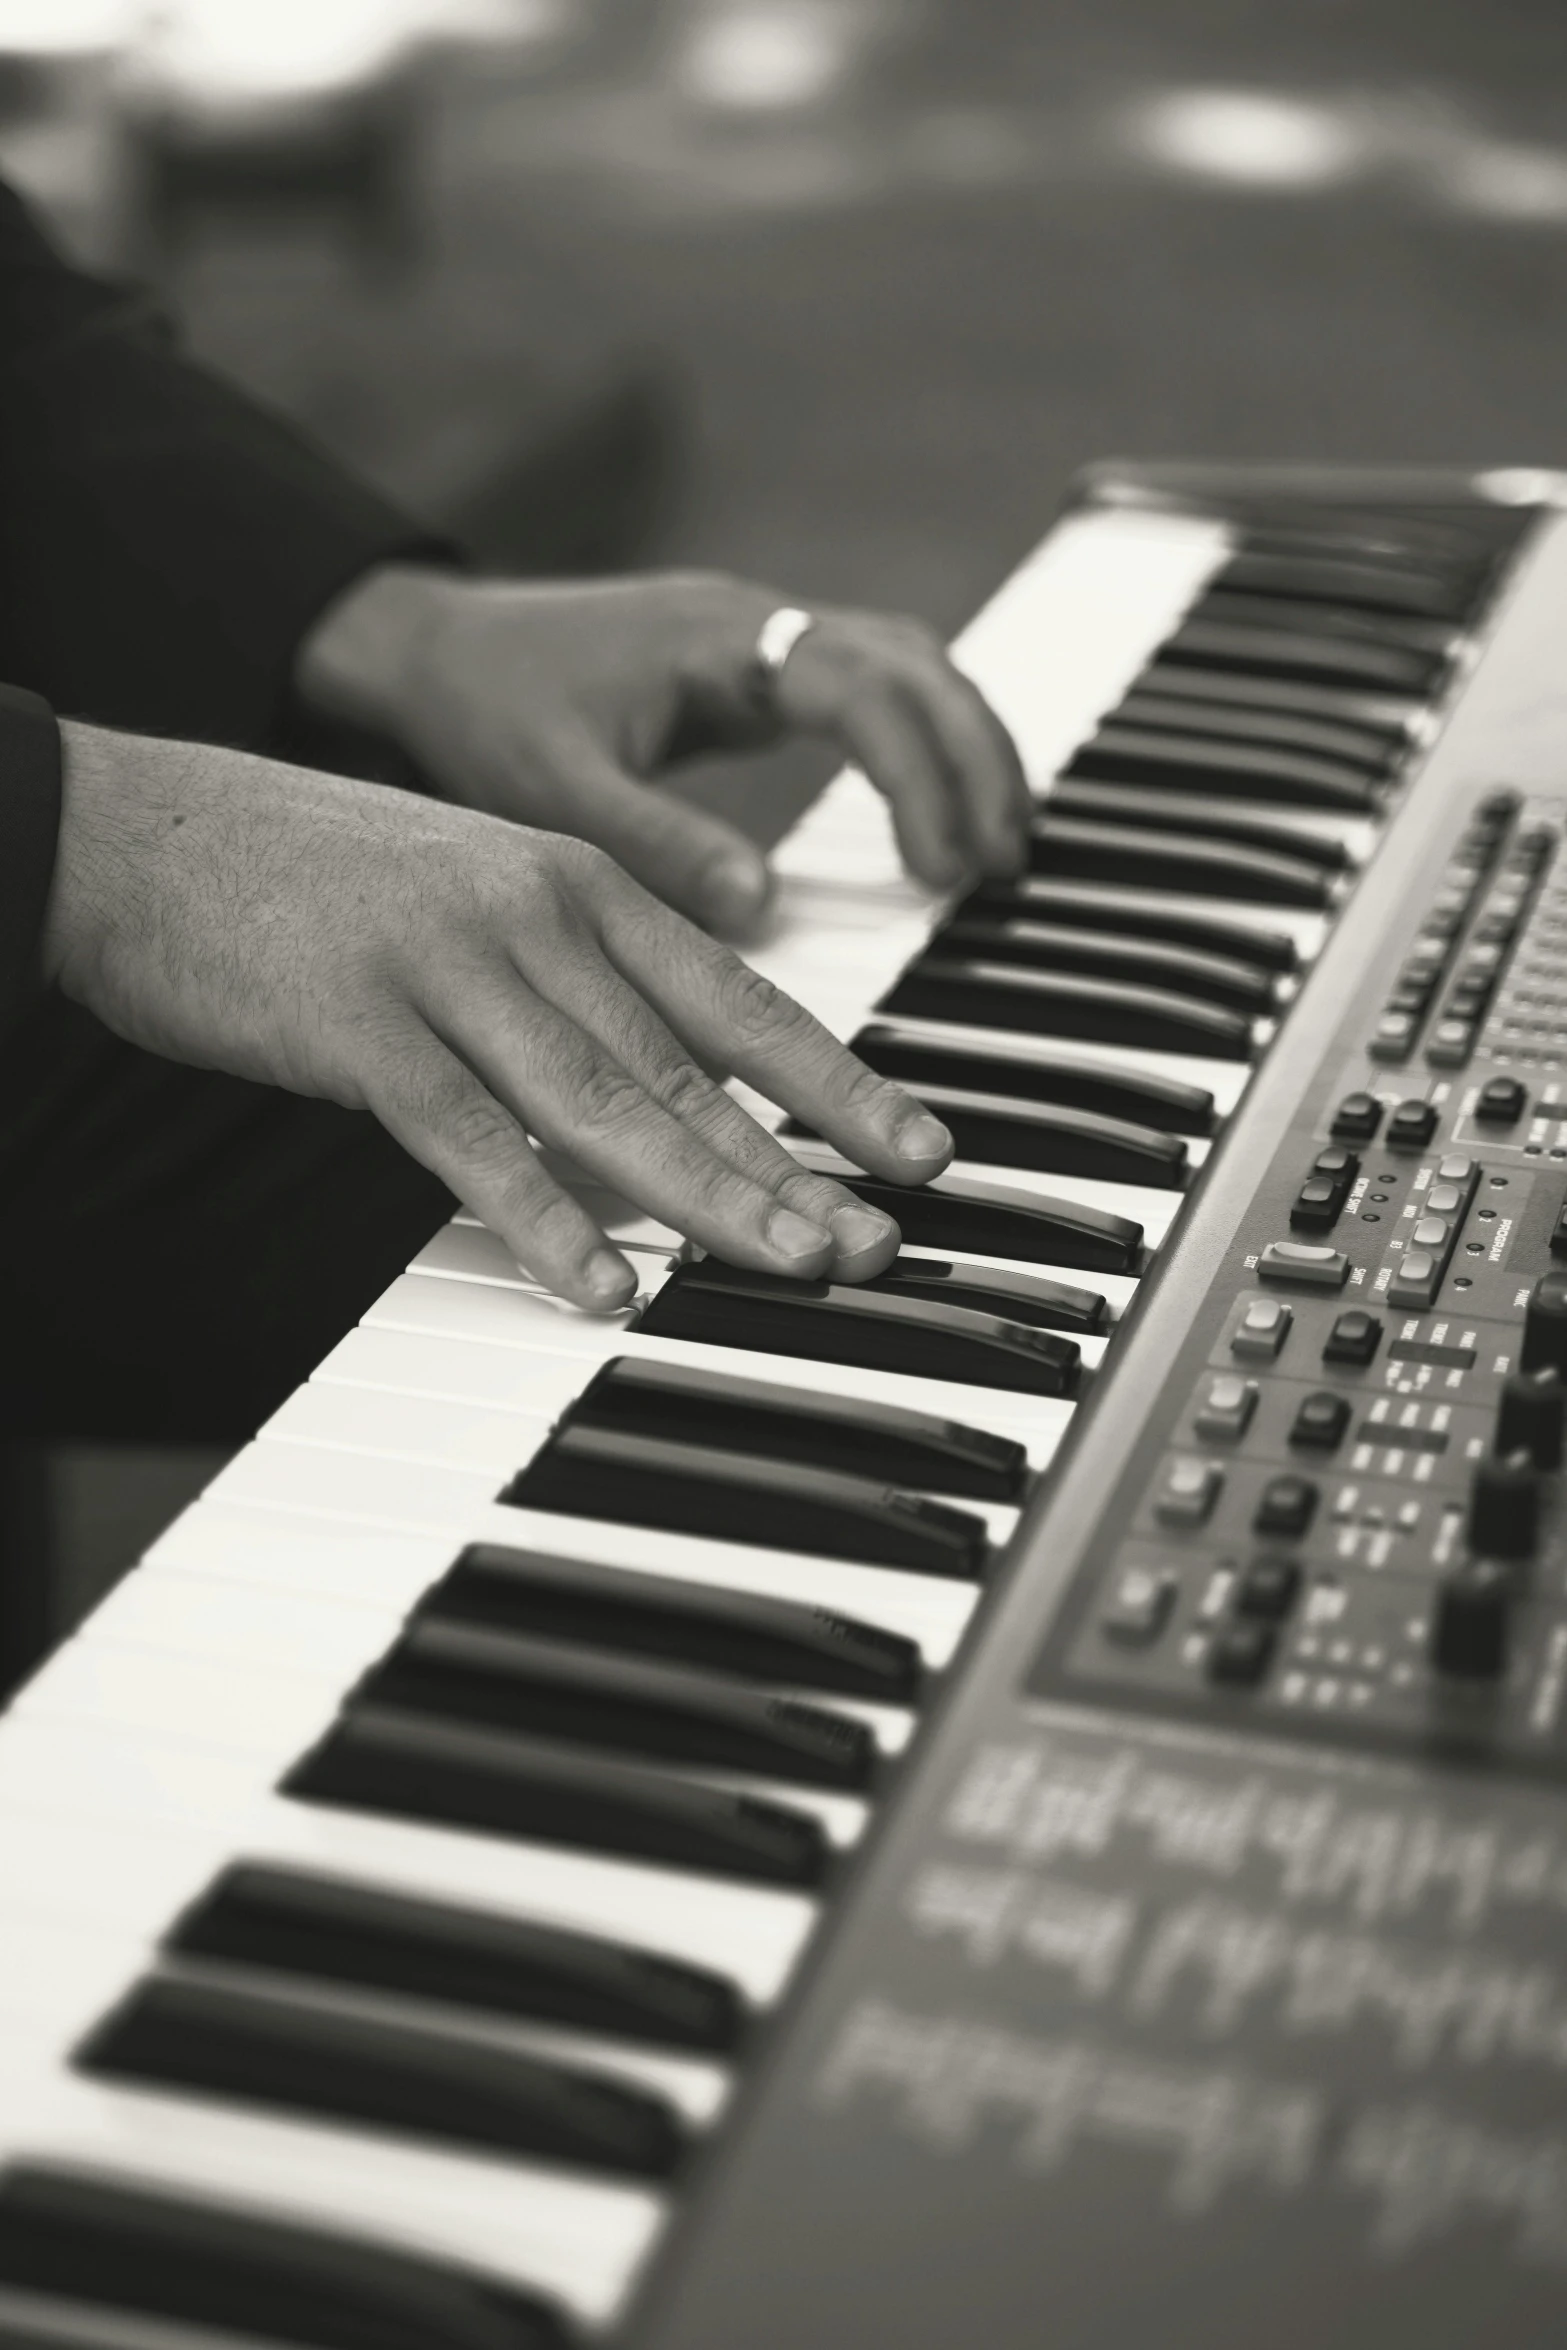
[(986, 1219), (1133, 913), (1401, 631), (796, 1424), (743, 1498), (87, 2238), (623, 1704), (1314, 660), (1423, 591), (1022, 1297), (745, 1632), (984, 994), (606, 1474), (293, 1922), (998, 1130), (1393, 716), (270, 2048), (1190, 762), (882, 1330), (1036, 1076), (1360, 748), (1069, 848), (1165, 810), (414, 1768), (1111, 954)]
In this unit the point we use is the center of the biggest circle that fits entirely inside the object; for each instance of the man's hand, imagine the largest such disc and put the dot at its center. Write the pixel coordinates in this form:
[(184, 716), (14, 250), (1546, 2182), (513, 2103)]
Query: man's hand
[(556, 706), (466, 980)]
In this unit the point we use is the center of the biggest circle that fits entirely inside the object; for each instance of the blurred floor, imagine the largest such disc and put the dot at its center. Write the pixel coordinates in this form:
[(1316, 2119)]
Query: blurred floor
[(912, 261)]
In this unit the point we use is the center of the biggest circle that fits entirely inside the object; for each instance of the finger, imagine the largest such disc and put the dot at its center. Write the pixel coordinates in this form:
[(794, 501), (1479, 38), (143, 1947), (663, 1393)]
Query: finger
[(693, 861), (559, 1081), (978, 757), (446, 1119), (901, 761), (588, 987), (733, 1019)]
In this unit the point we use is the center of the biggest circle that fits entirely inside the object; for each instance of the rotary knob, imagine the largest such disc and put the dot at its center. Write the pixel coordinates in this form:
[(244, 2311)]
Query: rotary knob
[(1504, 1508), (1545, 1325), (1469, 1632), (1531, 1415)]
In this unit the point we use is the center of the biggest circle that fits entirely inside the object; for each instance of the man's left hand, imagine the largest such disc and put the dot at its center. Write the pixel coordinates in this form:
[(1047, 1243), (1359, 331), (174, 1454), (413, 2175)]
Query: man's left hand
[(558, 706)]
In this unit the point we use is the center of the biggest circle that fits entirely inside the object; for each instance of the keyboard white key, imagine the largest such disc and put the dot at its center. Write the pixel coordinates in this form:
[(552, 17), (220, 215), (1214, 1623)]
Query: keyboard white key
[(173, 1821), (551, 2231), (324, 1484), (494, 1316)]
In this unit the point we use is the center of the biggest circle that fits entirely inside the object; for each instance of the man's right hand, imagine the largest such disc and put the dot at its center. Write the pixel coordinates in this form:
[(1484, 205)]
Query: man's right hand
[(472, 982)]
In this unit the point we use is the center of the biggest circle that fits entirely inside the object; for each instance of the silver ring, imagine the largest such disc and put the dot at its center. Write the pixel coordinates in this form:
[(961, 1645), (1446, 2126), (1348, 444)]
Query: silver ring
[(780, 632)]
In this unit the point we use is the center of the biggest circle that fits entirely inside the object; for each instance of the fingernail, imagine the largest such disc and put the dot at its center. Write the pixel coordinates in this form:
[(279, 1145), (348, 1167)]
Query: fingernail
[(920, 1136), (735, 888), (610, 1278), (859, 1231), (792, 1236)]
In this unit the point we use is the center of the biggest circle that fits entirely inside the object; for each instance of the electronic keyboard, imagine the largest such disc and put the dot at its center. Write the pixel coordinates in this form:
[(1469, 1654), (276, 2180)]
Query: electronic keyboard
[(1012, 1803)]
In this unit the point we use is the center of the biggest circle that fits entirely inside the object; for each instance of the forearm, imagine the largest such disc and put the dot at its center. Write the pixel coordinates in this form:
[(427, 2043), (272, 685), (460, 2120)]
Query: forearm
[(168, 540)]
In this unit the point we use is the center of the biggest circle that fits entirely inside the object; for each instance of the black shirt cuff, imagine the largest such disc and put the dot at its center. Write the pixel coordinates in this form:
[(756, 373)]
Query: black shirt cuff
[(29, 833)]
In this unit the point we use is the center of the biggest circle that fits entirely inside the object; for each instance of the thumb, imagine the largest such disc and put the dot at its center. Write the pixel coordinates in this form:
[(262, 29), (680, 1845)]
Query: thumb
[(693, 861)]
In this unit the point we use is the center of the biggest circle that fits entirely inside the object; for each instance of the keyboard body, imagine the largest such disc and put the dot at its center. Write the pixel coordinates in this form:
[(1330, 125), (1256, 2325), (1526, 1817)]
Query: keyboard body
[(1189, 1963), (1159, 2012)]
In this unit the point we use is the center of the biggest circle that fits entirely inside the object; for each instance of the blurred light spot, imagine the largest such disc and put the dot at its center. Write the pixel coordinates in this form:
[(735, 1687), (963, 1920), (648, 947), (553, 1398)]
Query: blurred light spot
[(1524, 485), (60, 26), (1247, 136), (1508, 183), (766, 54), (216, 50)]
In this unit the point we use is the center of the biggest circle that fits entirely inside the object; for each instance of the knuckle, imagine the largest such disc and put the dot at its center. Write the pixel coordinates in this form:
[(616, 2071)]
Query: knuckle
[(859, 1088), (688, 1093), (751, 1005), (474, 1126), (607, 1100)]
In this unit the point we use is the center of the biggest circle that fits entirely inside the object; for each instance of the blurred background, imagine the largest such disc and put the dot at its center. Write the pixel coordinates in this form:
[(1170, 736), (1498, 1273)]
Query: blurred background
[(834, 292)]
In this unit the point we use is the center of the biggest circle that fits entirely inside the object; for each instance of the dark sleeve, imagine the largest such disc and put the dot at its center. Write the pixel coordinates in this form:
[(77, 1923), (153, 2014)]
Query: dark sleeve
[(29, 827), (165, 541)]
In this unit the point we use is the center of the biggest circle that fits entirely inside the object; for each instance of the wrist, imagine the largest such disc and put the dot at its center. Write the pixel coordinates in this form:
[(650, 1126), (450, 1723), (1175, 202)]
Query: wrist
[(368, 657)]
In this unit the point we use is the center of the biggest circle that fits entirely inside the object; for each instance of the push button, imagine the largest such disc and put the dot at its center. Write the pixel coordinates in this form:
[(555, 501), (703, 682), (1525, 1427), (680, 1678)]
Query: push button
[(1224, 1415), (1320, 1420), (1411, 1126), (1189, 1491), (1139, 1607), (1452, 1042), (1262, 1329), (1393, 1036), (1286, 1505), (1354, 1338), (1267, 1589), (1241, 1651), (1559, 1232), (1502, 1101), (1339, 1165), (1416, 1280), (1458, 1170), (1430, 1232), (1308, 1262), (1316, 1205), (1445, 1199), (1357, 1118)]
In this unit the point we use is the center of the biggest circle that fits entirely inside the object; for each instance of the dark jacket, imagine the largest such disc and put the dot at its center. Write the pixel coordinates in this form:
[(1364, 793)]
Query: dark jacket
[(165, 543)]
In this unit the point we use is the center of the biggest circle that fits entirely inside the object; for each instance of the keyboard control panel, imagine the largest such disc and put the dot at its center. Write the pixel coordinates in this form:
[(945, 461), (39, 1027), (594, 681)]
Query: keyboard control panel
[(1354, 1528)]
